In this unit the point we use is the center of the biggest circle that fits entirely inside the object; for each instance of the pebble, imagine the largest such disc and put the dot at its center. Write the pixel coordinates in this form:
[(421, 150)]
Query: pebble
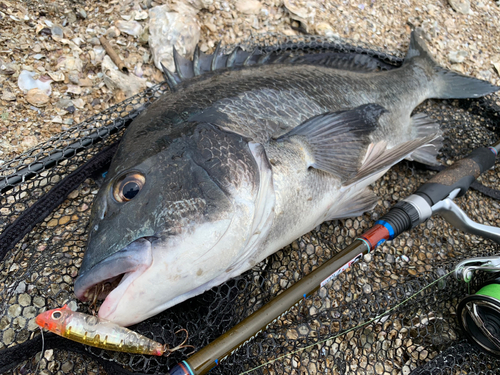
[(74, 77), (485, 74), (457, 57), (74, 89), (460, 6), (14, 310), (248, 6), (81, 13), (24, 299), (112, 32), (38, 301), (57, 33), (7, 95), (37, 97), (49, 354), (140, 16)]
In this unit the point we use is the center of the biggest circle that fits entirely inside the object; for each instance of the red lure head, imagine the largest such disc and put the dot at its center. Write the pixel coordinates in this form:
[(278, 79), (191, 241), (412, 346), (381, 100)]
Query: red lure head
[(53, 320)]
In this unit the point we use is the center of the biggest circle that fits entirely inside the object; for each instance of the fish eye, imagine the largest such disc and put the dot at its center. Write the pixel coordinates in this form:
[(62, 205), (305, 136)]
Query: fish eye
[(56, 315), (128, 186)]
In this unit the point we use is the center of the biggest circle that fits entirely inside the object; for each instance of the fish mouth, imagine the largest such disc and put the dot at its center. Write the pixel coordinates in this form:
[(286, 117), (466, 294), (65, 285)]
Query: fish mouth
[(110, 278)]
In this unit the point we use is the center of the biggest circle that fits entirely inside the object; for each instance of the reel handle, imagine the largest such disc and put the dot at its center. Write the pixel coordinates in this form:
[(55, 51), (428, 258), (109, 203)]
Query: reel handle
[(458, 176), (450, 182)]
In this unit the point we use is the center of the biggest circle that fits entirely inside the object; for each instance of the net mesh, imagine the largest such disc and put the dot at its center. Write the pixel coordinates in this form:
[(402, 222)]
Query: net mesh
[(362, 322)]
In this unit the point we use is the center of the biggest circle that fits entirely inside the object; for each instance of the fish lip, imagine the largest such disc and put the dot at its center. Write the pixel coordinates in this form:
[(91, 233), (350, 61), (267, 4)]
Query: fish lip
[(135, 255)]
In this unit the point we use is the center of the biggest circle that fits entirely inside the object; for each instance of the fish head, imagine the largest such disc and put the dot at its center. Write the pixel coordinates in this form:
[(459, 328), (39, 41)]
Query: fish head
[(54, 320), (170, 225)]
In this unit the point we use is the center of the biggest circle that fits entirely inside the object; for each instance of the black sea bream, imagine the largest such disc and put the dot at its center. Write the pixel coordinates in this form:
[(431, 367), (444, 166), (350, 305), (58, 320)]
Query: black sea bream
[(236, 163)]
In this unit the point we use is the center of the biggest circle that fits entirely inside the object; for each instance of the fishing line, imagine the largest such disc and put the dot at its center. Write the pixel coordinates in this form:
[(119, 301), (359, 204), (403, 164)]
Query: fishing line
[(43, 352), (351, 329)]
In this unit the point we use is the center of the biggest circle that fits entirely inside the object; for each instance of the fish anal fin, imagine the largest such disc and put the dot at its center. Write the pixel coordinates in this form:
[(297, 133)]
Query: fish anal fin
[(354, 206), (425, 126), (334, 141), (379, 158)]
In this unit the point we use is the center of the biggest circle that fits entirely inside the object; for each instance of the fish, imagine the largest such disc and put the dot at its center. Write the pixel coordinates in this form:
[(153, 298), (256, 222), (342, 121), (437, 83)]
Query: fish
[(247, 152)]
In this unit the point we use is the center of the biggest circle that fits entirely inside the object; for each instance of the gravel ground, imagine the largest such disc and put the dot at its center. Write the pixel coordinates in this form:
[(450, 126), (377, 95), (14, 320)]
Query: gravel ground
[(57, 41)]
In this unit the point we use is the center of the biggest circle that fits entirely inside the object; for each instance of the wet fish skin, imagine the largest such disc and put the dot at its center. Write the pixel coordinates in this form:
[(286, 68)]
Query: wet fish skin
[(240, 162)]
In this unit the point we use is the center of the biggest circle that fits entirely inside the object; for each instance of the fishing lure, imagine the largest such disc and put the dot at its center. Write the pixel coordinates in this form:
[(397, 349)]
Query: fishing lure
[(101, 333)]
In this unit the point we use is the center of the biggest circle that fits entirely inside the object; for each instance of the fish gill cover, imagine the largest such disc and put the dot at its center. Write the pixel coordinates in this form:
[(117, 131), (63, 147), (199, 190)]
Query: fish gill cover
[(337, 330)]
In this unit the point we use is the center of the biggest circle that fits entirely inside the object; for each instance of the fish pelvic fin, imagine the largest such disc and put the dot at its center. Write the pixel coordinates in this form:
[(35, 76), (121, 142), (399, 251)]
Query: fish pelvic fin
[(334, 141), (355, 206), (445, 83)]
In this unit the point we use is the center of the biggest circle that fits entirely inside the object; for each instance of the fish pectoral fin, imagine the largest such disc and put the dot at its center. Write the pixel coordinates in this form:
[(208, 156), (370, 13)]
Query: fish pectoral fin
[(334, 141), (354, 206), (379, 158)]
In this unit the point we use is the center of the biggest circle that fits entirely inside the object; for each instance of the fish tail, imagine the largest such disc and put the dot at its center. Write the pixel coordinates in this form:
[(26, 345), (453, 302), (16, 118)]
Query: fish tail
[(445, 83)]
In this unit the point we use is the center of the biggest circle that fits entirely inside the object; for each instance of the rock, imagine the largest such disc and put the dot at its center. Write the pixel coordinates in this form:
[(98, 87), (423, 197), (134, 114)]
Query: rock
[(133, 28), (37, 97), (457, 57), (8, 96), (26, 82), (168, 29), (248, 6), (460, 6)]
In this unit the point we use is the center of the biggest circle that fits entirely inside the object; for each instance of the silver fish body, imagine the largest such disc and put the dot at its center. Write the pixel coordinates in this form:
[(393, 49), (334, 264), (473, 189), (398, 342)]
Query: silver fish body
[(237, 163)]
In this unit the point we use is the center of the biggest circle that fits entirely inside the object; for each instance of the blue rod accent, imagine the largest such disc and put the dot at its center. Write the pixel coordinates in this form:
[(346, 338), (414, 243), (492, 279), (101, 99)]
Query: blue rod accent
[(188, 367), (387, 226)]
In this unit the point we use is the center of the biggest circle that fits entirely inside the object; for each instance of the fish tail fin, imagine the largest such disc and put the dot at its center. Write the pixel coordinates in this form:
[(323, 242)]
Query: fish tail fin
[(446, 84)]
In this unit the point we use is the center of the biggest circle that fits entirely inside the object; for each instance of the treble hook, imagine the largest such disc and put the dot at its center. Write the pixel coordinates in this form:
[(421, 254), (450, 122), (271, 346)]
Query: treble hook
[(168, 351)]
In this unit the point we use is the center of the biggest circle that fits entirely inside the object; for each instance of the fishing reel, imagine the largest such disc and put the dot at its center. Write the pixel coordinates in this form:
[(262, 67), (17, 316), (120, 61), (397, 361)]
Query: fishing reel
[(479, 313)]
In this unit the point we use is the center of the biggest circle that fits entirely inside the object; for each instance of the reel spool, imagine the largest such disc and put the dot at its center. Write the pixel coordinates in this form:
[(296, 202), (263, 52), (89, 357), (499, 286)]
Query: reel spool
[(479, 317)]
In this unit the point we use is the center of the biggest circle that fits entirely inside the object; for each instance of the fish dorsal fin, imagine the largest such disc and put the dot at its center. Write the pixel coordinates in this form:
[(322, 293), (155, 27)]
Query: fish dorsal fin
[(334, 141), (203, 63), (344, 61)]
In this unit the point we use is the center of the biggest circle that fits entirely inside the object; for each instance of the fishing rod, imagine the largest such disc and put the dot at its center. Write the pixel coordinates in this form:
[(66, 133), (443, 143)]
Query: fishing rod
[(435, 196)]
